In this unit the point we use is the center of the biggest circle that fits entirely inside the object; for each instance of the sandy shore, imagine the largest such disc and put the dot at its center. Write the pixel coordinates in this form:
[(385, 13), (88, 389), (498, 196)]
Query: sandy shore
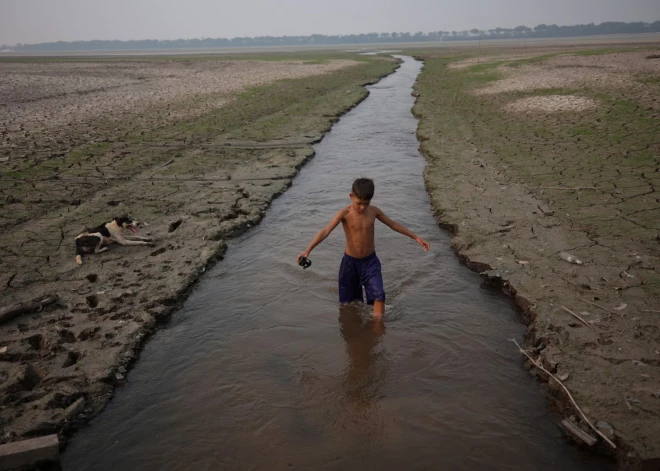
[(189, 148), (535, 155)]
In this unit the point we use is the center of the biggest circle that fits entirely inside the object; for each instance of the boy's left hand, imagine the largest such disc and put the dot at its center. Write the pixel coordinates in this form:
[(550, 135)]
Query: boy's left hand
[(423, 243)]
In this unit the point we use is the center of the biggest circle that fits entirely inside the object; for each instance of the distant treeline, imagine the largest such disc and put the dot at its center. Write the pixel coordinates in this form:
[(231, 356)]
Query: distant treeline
[(519, 32)]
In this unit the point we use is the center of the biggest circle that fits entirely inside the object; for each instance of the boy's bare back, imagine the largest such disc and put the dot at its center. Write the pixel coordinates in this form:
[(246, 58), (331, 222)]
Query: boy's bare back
[(359, 230)]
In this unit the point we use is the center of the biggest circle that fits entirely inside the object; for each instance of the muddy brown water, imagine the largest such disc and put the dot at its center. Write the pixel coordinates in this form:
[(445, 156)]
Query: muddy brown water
[(261, 369)]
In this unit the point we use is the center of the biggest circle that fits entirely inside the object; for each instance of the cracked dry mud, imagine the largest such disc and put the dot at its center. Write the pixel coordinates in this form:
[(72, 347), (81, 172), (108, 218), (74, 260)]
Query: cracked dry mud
[(87, 141), (520, 186)]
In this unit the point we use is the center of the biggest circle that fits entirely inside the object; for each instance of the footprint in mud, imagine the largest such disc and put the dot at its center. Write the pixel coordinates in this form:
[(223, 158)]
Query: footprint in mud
[(92, 301), (25, 380), (71, 359), (89, 333), (66, 336), (37, 342)]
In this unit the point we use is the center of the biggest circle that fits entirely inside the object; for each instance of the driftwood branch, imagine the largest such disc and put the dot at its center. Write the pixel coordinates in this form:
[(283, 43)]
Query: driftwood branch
[(578, 317), (540, 367), (37, 304), (603, 308), (579, 433)]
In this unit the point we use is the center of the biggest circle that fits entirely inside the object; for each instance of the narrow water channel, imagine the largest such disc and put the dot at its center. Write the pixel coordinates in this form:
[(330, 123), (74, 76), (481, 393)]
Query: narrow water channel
[(261, 369)]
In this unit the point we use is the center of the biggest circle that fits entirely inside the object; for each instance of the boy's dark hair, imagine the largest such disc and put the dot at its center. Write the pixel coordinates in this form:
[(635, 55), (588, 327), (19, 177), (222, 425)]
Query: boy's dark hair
[(363, 188)]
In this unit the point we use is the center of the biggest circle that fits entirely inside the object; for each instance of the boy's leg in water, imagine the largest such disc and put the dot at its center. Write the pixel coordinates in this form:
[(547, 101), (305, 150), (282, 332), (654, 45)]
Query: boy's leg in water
[(372, 278), (379, 309)]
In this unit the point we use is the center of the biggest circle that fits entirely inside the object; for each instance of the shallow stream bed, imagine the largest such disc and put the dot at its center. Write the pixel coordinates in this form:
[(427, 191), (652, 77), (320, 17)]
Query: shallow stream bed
[(261, 369)]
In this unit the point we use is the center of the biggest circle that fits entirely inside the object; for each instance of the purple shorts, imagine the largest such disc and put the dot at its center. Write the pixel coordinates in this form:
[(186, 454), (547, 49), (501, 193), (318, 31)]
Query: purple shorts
[(354, 273)]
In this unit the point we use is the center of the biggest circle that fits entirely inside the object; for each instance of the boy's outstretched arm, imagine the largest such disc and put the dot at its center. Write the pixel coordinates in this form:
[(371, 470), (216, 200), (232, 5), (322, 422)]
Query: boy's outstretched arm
[(395, 226), (322, 234)]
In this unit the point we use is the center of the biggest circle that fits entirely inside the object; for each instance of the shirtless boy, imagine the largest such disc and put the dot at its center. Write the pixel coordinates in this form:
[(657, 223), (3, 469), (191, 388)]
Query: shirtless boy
[(360, 265)]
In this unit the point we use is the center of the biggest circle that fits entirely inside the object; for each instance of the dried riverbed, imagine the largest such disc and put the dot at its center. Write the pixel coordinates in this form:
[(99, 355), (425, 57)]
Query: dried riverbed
[(196, 150)]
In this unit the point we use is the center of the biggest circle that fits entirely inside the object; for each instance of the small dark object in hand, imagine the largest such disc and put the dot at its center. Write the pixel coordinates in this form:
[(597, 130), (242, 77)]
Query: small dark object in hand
[(305, 262)]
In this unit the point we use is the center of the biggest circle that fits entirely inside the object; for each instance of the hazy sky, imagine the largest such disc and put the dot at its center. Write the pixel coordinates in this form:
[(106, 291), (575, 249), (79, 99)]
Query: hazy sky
[(32, 21)]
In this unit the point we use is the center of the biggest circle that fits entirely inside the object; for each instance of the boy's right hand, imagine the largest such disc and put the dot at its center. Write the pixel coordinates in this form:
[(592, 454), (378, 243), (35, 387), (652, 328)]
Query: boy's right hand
[(303, 254)]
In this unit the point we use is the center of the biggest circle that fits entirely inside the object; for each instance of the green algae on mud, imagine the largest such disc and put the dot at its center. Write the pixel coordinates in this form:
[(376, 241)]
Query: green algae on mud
[(213, 173), (519, 187)]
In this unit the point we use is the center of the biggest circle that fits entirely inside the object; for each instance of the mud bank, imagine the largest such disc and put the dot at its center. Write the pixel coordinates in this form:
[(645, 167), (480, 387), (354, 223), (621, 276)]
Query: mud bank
[(517, 187), (194, 183)]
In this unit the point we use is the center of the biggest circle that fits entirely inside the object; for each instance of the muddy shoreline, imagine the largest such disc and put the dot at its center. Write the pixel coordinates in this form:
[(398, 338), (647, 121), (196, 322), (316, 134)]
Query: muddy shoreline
[(60, 366)]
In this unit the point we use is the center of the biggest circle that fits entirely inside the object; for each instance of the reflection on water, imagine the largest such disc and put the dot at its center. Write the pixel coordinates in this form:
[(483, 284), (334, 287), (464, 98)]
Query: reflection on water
[(261, 369), (366, 366)]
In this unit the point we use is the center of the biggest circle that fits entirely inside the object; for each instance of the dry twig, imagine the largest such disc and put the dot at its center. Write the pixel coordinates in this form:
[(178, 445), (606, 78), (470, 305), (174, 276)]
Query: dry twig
[(578, 317), (540, 367)]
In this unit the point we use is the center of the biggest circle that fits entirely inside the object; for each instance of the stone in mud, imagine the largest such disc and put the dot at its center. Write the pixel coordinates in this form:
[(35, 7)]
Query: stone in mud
[(605, 428), (74, 408)]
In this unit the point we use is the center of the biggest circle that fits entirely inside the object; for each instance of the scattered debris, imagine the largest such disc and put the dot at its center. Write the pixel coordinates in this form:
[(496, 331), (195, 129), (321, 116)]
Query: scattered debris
[(621, 307), (570, 258), (522, 262), (563, 376), (625, 400), (638, 363), (570, 396)]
